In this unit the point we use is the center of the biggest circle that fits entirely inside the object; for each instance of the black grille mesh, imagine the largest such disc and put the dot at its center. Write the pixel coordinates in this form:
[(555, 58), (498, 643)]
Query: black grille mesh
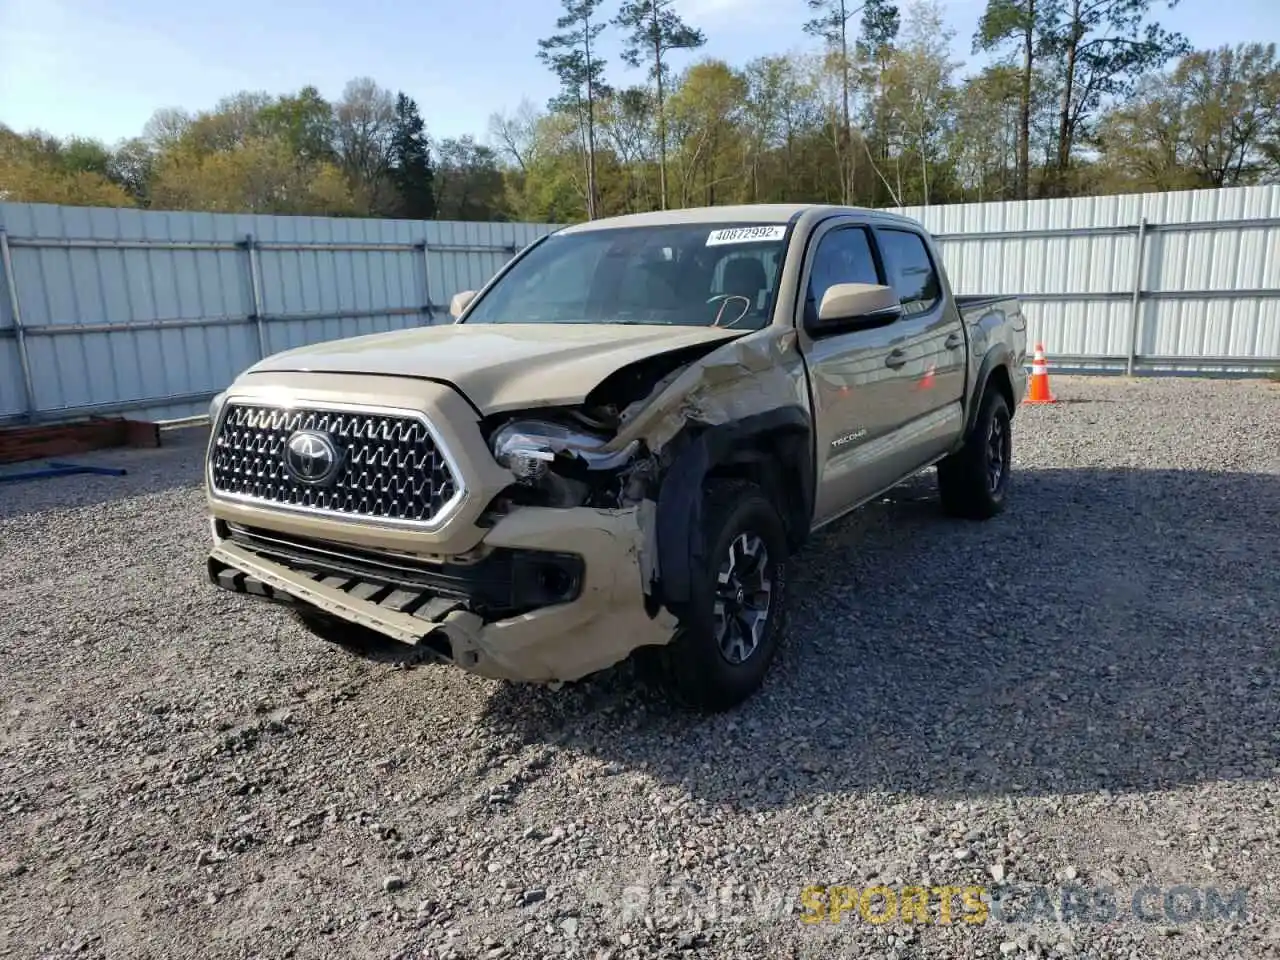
[(391, 468)]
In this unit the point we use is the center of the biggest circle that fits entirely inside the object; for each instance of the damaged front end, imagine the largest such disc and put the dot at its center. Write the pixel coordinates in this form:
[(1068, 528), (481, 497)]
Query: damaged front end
[(551, 568), (647, 437)]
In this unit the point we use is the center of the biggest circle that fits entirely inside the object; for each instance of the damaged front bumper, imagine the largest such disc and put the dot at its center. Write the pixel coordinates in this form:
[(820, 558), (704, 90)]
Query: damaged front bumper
[(553, 594)]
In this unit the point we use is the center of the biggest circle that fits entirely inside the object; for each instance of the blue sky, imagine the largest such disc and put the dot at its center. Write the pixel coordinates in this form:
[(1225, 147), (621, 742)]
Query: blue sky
[(100, 68)]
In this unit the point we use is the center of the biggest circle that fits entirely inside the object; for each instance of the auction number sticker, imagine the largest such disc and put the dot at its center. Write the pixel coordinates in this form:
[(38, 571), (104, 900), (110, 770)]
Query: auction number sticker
[(747, 234)]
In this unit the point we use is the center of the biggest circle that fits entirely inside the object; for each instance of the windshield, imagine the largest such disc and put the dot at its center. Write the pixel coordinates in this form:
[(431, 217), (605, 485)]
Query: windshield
[(702, 274)]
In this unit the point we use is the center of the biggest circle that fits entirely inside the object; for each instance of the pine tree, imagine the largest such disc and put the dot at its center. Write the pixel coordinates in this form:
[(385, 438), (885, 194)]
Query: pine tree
[(572, 56), (411, 170), (654, 30)]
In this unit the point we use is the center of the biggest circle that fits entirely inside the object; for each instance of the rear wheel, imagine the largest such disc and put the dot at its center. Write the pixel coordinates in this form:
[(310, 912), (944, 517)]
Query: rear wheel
[(974, 481), (724, 647)]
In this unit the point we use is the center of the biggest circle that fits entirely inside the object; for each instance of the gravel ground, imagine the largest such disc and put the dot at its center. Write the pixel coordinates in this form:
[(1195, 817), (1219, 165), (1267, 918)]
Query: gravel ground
[(1081, 696)]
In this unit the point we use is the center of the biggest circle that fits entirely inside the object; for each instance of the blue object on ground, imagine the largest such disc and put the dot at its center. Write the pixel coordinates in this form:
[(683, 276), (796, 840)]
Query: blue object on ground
[(57, 468)]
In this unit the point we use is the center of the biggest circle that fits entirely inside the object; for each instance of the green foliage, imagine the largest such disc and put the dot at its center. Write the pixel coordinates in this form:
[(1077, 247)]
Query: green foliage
[(652, 30), (880, 25), (410, 171), (572, 57), (1211, 121), (37, 168), (304, 121), (830, 22), (469, 183)]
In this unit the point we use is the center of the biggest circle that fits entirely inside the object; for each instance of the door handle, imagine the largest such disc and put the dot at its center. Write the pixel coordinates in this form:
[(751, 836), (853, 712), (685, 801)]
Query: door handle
[(953, 341), (895, 359)]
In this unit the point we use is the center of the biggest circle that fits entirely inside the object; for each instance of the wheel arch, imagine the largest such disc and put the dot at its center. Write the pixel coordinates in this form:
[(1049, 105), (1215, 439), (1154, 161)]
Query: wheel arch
[(773, 449), (993, 372)]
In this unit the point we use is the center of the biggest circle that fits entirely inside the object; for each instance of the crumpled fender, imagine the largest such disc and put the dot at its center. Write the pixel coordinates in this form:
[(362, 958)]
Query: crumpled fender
[(778, 441)]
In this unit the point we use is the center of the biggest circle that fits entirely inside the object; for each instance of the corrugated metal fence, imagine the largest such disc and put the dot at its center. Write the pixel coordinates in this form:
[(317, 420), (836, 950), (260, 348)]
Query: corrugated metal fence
[(1185, 281), (105, 310), (109, 310)]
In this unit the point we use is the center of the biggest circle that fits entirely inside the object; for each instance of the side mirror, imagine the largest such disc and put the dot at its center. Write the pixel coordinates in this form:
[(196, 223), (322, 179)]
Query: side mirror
[(460, 302), (859, 305)]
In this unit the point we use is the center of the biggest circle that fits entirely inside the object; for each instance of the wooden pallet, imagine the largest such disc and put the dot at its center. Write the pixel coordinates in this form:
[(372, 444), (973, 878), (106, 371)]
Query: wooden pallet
[(59, 439)]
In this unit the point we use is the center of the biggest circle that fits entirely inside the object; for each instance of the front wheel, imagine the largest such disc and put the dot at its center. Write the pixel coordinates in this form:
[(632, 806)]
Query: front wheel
[(974, 481), (724, 647)]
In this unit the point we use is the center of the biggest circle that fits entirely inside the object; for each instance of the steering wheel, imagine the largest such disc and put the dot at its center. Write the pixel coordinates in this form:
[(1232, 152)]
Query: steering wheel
[(725, 298)]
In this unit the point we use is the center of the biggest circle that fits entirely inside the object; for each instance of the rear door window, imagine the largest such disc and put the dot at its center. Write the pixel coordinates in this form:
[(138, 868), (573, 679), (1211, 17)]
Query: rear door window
[(910, 269)]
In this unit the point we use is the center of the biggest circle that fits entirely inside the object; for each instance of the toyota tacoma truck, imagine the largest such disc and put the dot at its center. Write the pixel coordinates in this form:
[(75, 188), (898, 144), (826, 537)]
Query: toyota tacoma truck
[(617, 445)]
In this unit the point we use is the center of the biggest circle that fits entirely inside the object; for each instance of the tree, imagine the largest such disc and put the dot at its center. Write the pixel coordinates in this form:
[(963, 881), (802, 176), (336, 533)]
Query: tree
[(81, 155), (1231, 115), (920, 92), (627, 124), (654, 29), (572, 58), (554, 187), (1101, 48), (765, 79), (1024, 22), (984, 135), (305, 121), (131, 166), (364, 122), (233, 122), (1209, 122), (468, 182), (832, 25), (166, 127), (259, 175), (33, 169), (410, 166), (790, 83), (515, 134), (1143, 140), (705, 116), (1081, 101), (880, 24), (874, 49)]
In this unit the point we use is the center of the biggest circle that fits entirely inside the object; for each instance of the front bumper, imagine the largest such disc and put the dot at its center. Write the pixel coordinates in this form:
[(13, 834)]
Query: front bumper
[(497, 626)]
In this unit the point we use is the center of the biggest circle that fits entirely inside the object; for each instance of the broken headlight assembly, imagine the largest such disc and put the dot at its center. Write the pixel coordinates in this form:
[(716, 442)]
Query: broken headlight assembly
[(561, 465)]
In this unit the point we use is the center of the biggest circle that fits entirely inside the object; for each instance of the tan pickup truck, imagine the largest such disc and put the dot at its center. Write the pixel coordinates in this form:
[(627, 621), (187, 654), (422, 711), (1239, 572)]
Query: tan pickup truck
[(618, 444)]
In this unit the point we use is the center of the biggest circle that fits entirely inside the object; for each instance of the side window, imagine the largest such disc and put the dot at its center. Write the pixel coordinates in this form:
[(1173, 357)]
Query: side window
[(843, 256), (911, 271)]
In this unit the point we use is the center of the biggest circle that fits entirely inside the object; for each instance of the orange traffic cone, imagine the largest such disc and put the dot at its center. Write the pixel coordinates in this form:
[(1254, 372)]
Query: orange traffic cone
[(1039, 387)]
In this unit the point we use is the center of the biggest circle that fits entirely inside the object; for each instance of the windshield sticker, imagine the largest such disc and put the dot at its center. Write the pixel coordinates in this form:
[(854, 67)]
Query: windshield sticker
[(746, 234)]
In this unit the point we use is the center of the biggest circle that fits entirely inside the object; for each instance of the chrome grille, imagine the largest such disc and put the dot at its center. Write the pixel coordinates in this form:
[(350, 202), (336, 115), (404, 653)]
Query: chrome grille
[(390, 466)]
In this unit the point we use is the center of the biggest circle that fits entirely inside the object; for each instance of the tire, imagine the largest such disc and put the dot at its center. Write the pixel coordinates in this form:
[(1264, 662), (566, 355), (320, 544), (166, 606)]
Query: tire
[(715, 662), (974, 481)]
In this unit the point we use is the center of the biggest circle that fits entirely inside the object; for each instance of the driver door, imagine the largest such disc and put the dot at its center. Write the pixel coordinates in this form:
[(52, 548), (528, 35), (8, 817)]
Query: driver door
[(858, 379)]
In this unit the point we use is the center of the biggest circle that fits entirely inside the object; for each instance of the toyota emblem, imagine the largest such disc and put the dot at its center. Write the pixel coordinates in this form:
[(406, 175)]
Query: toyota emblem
[(311, 457)]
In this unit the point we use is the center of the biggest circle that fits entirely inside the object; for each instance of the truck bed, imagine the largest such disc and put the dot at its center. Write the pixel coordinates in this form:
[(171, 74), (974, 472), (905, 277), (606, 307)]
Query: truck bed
[(971, 301)]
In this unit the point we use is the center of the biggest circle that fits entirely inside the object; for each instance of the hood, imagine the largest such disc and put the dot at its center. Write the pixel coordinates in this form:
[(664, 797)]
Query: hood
[(499, 367)]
